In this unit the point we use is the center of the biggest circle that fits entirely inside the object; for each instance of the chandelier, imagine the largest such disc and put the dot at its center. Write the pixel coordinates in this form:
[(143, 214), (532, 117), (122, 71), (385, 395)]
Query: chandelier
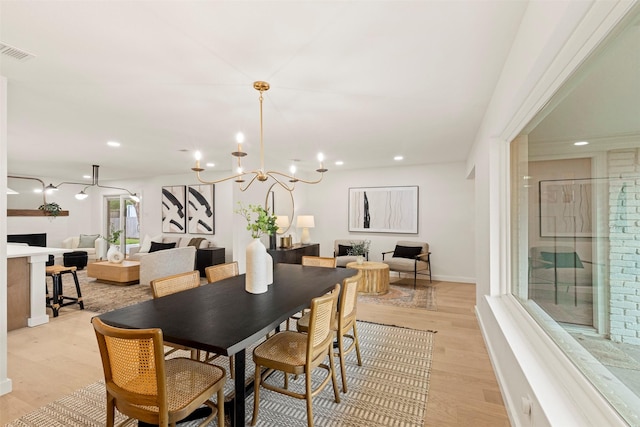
[(285, 180), (94, 183)]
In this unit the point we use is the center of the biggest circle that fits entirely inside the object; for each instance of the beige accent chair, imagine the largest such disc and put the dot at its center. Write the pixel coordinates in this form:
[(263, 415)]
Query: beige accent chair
[(297, 353), (97, 252), (145, 386), (344, 323), (343, 259), (166, 263), (407, 258)]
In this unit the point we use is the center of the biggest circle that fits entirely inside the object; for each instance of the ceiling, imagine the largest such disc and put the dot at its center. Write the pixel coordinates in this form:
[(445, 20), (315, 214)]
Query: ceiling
[(360, 81)]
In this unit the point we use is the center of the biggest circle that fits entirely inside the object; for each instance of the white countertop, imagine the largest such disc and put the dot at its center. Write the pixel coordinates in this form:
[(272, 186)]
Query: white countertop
[(17, 251)]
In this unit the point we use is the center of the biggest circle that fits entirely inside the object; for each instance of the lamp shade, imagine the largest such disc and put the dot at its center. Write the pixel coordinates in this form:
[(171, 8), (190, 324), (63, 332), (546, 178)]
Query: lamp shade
[(305, 221), (282, 221)]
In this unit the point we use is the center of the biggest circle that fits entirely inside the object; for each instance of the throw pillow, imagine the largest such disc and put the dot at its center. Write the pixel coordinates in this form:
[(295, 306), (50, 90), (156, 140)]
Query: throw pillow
[(155, 246), (87, 240), (406, 251), (196, 241), (343, 250), (146, 245)]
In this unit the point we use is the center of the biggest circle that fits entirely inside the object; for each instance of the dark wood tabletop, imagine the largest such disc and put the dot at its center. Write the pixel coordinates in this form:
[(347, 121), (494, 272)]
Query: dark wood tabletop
[(223, 318)]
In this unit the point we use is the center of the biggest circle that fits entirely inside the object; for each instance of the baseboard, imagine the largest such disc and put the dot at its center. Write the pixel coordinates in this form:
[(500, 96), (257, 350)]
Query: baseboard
[(393, 276), (5, 386)]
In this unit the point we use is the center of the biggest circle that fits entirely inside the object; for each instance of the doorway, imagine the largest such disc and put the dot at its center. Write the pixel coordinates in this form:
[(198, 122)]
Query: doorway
[(123, 214)]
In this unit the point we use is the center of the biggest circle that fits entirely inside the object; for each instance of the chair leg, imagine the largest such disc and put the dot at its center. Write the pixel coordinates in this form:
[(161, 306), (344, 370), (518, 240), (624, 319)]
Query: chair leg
[(256, 396), (56, 294), (332, 370), (357, 344), (342, 368), (308, 391), (111, 406), (220, 404), (75, 279), (231, 368)]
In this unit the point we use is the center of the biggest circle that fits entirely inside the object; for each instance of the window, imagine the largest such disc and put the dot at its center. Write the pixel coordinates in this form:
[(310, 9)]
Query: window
[(575, 186)]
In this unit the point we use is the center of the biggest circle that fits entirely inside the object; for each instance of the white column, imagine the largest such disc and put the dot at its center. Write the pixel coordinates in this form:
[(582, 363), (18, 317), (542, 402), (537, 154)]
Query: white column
[(37, 279)]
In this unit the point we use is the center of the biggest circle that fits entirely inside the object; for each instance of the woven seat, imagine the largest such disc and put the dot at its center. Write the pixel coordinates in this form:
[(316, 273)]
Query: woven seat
[(298, 353), (145, 386), (344, 322), (219, 272)]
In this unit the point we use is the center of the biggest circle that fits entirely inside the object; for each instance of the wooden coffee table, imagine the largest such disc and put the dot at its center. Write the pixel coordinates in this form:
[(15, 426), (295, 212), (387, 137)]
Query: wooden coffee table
[(375, 277), (125, 273)]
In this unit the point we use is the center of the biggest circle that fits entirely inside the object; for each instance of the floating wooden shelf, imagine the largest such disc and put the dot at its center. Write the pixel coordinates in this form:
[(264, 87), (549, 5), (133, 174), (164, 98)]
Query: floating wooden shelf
[(32, 212)]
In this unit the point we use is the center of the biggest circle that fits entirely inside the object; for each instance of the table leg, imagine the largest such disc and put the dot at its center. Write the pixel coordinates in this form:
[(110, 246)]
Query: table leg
[(238, 416)]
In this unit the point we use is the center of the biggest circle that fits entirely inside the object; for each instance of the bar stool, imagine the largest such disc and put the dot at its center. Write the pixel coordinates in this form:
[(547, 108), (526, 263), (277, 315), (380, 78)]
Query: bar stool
[(58, 299)]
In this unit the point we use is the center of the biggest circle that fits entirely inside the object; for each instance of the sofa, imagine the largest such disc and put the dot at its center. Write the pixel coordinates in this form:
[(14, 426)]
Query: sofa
[(137, 252), (341, 251), (93, 244), (166, 262)]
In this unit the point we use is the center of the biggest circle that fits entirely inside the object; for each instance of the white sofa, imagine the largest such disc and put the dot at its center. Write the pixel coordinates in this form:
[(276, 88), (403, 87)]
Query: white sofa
[(97, 252), (136, 253), (166, 262)]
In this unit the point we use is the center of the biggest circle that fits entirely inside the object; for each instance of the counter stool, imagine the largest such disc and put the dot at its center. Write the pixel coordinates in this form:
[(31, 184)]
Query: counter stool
[(58, 299)]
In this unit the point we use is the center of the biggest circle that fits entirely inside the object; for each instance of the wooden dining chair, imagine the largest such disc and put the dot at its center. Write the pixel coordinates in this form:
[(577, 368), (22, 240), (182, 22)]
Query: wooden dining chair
[(344, 322), (218, 272), (298, 353), (170, 285), (319, 261), (145, 386)]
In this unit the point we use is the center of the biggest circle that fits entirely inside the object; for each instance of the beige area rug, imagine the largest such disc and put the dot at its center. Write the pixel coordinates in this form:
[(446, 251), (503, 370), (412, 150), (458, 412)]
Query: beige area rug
[(402, 294), (389, 389)]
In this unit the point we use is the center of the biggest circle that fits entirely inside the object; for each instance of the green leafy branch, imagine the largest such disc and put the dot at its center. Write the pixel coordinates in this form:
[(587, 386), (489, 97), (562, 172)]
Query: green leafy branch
[(264, 223)]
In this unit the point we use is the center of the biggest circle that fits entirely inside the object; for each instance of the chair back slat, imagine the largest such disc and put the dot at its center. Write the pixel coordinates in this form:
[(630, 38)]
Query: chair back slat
[(318, 261), (219, 272), (349, 299), (175, 283)]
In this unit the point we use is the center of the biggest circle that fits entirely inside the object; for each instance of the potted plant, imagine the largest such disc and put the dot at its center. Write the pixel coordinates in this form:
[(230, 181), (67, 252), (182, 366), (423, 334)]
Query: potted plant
[(360, 250), (113, 253), (259, 264), (52, 209)]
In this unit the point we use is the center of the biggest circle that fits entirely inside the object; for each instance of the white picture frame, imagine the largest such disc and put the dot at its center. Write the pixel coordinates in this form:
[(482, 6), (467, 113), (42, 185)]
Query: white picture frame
[(384, 209)]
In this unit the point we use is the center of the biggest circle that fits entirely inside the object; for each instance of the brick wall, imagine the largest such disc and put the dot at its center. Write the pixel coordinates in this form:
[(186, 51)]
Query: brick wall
[(624, 240)]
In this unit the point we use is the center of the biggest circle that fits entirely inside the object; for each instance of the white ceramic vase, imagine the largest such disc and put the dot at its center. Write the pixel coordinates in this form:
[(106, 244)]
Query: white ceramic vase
[(256, 277), (269, 269), (114, 255)]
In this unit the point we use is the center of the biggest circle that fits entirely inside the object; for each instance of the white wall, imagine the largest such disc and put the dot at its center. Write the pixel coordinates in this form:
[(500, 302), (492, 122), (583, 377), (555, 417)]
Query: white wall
[(553, 39), (446, 214), (5, 382)]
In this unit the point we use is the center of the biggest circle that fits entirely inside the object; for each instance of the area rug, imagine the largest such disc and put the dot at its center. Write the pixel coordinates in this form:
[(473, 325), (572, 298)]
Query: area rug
[(402, 294), (389, 389)]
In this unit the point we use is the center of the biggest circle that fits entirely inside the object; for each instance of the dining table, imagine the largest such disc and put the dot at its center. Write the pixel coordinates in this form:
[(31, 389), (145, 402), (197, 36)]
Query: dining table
[(224, 318)]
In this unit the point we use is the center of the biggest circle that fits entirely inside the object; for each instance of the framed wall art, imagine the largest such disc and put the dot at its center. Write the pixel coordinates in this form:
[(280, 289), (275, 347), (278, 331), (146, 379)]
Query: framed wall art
[(174, 216), (200, 209), (566, 208), (384, 209)]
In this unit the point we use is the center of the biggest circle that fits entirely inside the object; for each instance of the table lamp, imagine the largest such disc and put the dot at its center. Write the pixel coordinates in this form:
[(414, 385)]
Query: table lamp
[(282, 221), (305, 222)]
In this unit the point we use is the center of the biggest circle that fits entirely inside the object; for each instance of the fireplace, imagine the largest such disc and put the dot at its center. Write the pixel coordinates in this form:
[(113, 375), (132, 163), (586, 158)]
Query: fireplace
[(35, 239)]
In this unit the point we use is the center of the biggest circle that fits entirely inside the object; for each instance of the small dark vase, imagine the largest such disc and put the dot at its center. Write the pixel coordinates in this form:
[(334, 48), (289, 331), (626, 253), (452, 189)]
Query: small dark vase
[(272, 241)]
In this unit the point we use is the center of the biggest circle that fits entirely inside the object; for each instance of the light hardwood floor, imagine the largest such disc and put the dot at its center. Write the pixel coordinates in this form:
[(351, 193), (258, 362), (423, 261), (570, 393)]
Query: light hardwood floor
[(52, 360)]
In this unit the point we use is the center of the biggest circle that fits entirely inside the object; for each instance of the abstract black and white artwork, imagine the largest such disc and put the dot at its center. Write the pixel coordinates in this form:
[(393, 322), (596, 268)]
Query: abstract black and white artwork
[(200, 208), (384, 209), (174, 215), (566, 208)]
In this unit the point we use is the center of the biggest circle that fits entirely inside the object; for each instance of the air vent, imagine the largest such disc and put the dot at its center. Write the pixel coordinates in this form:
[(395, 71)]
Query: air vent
[(15, 53)]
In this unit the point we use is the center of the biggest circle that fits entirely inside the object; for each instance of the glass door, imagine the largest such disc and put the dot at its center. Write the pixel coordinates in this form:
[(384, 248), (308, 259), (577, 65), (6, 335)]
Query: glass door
[(122, 215)]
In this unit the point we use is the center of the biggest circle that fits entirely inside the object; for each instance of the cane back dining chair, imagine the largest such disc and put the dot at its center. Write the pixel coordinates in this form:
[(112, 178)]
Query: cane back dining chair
[(313, 261), (170, 285), (145, 386), (298, 353), (344, 322), (218, 272)]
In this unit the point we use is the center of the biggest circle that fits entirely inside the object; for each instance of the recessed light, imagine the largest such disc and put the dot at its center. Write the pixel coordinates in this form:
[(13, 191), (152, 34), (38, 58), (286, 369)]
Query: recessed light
[(339, 163), (581, 143), (37, 190), (210, 165), (398, 158), (113, 144), (86, 176)]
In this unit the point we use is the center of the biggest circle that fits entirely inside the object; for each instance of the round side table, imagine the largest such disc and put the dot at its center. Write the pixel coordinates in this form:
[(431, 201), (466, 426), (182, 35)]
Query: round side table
[(375, 277)]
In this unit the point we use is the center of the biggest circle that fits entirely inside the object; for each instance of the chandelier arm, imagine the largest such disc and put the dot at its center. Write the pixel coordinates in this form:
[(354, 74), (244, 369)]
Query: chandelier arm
[(282, 184), (272, 173), (255, 175), (204, 181)]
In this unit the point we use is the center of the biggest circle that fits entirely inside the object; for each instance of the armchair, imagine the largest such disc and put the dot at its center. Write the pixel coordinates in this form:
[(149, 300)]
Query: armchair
[(409, 257)]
